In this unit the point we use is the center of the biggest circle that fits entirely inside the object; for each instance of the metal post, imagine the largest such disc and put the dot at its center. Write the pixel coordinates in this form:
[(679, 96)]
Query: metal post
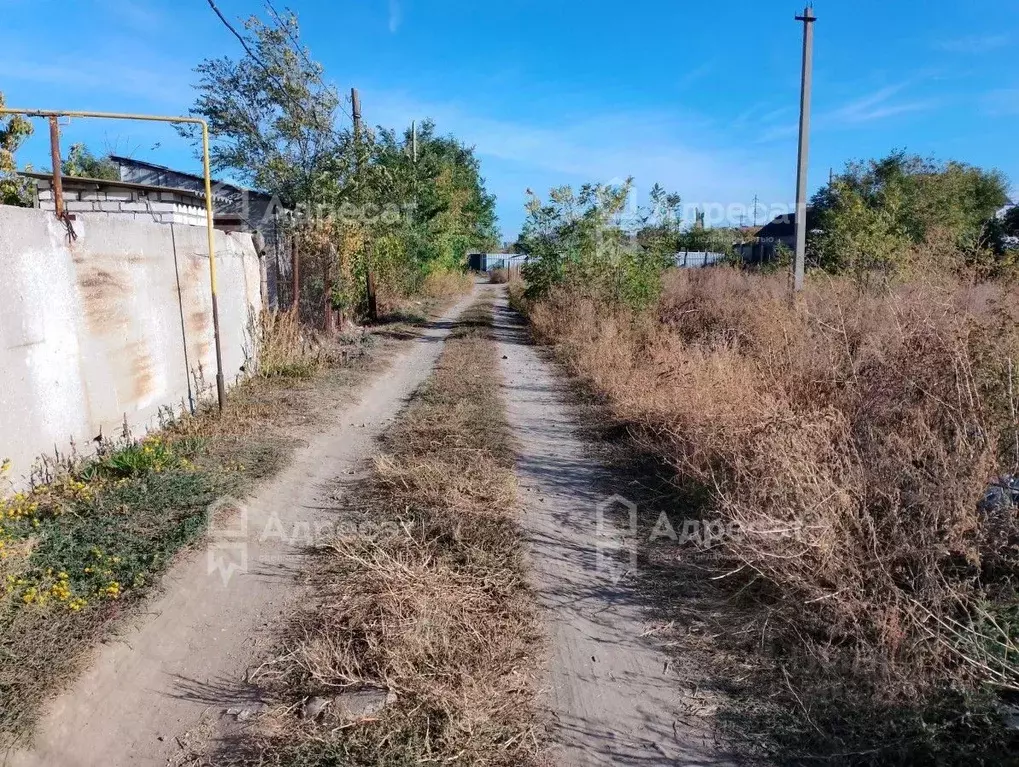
[(220, 382), (53, 114), (58, 185), (295, 271), (369, 279), (330, 260), (808, 20)]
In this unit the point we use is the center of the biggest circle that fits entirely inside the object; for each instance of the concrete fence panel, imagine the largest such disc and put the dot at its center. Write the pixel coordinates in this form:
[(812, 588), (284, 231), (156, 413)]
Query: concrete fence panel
[(111, 325)]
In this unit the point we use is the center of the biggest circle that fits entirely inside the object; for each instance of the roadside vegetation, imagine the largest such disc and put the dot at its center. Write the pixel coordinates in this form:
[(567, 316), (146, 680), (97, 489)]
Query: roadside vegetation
[(86, 540), (845, 443), (397, 204), (420, 599), (90, 533), (87, 535)]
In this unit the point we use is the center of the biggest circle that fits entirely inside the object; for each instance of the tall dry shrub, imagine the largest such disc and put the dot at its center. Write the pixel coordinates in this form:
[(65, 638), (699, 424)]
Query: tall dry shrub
[(285, 347), (847, 441)]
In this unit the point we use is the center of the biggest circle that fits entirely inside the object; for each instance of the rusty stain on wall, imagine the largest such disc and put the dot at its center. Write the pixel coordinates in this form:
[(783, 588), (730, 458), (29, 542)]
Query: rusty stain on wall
[(199, 316), (142, 370), (98, 339), (100, 291)]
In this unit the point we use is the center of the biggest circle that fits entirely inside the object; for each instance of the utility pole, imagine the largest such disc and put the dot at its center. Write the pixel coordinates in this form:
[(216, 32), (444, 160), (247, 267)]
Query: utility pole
[(808, 18), (355, 103), (755, 209)]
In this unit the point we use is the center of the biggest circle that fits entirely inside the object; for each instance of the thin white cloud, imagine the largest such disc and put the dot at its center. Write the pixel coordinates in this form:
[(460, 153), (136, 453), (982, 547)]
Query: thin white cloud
[(873, 107), (138, 15), (696, 74), (762, 114), (167, 86), (1001, 103), (877, 106), (974, 43), (395, 15), (604, 147)]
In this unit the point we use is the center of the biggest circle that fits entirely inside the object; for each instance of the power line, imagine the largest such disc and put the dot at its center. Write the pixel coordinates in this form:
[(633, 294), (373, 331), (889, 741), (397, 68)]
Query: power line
[(265, 67), (244, 43), (312, 65)]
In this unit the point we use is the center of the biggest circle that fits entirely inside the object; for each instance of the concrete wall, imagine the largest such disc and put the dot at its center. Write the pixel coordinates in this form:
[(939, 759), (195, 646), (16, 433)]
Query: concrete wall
[(94, 330)]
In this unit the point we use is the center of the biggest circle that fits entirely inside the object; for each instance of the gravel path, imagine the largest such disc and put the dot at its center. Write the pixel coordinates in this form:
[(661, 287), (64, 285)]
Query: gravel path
[(611, 697), (167, 681)]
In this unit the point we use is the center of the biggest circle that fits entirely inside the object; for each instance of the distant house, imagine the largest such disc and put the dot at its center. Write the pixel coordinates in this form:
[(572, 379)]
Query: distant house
[(486, 262), (235, 207), (762, 248)]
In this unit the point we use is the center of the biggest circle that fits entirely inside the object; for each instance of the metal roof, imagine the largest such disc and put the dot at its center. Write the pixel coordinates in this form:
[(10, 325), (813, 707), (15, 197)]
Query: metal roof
[(121, 160)]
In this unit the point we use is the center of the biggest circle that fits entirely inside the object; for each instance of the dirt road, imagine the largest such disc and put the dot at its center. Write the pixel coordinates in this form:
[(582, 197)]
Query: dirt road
[(612, 698), (169, 678)]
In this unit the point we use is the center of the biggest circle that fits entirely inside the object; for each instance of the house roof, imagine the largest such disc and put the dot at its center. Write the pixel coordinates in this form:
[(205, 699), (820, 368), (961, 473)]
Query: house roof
[(121, 160), (83, 182), (785, 225)]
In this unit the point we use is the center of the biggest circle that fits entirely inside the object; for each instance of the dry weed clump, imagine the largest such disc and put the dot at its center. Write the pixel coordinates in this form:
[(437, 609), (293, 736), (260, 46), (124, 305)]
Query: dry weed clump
[(285, 347), (846, 442), (425, 597), (515, 291), (445, 284), (498, 276)]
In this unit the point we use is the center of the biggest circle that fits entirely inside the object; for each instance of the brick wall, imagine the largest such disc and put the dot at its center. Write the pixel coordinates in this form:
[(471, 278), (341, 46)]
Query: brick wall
[(125, 202)]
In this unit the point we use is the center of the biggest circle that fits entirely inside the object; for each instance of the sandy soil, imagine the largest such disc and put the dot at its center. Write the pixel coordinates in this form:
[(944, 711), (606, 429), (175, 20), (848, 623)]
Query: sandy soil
[(612, 697), (170, 678)]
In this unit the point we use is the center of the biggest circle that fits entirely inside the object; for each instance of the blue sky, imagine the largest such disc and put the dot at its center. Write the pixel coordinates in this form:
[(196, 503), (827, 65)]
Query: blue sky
[(701, 97)]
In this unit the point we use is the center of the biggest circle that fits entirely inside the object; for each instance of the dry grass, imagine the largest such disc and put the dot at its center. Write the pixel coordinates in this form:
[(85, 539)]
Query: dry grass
[(427, 599), (845, 444), (287, 348), (498, 276), (447, 284), (141, 521), (515, 289)]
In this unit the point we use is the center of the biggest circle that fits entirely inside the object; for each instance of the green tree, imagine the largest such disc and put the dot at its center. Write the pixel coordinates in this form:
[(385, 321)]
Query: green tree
[(272, 122), (871, 213), (585, 240), (271, 116), (660, 224), (13, 132), (449, 210), (82, 163)]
